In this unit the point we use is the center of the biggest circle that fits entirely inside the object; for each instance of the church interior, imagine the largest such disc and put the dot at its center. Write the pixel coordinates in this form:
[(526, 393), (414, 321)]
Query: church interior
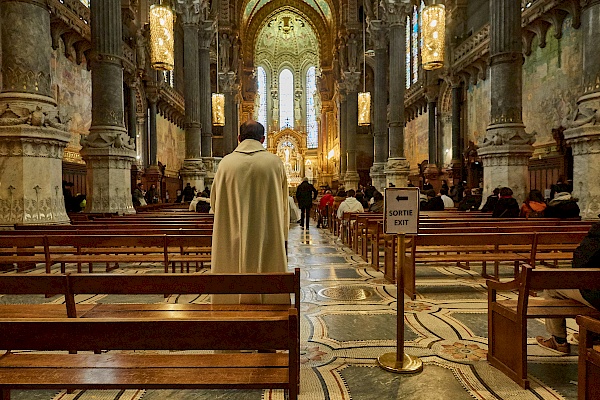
[(104, 95)]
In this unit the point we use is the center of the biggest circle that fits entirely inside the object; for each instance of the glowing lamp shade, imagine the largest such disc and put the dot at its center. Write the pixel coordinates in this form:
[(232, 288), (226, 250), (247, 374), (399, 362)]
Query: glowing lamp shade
[(218, 109), (364, 109), (433, 31), (161, 37)]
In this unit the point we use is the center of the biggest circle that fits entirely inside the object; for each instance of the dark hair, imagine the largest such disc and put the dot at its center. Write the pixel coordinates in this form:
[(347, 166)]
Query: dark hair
[(506, 191), (139, 184), (430, 192), (444, 191), (378, 196), (562, 187), (351, 193), (535, 195), (251, 130), (496, 191)]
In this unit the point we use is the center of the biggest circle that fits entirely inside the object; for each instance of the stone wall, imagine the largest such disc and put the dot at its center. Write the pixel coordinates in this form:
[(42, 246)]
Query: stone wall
[(416, 141), (551, 81), (171, 145), (72, 86), (478, 110)]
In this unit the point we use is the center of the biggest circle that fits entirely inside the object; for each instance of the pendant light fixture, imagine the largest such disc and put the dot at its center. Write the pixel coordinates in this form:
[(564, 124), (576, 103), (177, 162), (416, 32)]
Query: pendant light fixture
[(433, 31), (218, 99), (161, 37), (364, 97)]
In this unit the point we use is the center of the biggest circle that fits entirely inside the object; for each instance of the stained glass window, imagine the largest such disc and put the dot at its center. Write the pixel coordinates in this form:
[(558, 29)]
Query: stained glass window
[(408, 75), (286, 99), (312, 128), (415, 45), (262, 93)]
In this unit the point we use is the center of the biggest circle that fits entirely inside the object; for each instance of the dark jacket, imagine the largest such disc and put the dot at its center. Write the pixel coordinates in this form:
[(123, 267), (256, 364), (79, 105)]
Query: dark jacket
[(188, 193), (562, 206), (587, 255), (506, 208), (433, 204), (490, 203), (305, 194), (468, 203)]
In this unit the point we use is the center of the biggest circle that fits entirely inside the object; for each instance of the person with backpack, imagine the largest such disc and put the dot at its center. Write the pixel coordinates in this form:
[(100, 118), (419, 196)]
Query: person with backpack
[(534, 205)]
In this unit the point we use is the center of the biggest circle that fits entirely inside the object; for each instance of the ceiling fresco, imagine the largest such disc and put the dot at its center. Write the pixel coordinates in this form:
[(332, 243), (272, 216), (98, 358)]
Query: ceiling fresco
[(321, 6)]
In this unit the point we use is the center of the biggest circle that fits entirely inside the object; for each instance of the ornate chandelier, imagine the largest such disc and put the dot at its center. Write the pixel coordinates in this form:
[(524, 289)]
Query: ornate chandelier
[(433, 31), (218, 109), (161, 37), (364, 108)]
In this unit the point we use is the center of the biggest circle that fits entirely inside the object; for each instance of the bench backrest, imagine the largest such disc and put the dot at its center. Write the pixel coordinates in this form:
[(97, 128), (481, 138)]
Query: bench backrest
[(18, 284), (560, 278), (474, 239), (115, 230), (132, 240), (238, 332)]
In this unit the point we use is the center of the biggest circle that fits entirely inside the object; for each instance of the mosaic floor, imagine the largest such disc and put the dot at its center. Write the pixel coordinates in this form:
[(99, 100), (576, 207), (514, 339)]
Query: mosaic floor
[(349, 319)]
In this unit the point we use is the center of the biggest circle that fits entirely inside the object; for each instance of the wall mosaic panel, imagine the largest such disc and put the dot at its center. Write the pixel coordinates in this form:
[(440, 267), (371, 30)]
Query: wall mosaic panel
[(416, 141), (171, 145)]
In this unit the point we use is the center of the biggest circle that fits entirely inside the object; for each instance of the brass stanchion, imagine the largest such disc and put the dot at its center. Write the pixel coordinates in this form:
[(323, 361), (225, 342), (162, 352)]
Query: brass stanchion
[(400, 362)]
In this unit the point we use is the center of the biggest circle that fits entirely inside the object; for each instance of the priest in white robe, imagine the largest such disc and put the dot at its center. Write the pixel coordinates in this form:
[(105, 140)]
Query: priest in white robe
[(249, 198)]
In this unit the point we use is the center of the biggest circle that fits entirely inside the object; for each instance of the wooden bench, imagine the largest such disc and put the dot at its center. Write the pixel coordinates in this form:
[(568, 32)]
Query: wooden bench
[(589, 359), (507, 319), (228, 331)]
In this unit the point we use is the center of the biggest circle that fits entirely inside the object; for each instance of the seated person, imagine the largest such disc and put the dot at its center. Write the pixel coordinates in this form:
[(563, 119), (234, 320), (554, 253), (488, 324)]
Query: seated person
[(534, 205), (563, 205), (491, 201), (587, 255), (377, 206), (469, 202), (294, 210), (350, 205), (507, 206), (448, 202), (433, 203), (203, 202), (325, 203)]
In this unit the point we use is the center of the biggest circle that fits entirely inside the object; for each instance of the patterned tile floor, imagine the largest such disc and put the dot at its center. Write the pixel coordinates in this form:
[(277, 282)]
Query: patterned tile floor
[(341, 338)]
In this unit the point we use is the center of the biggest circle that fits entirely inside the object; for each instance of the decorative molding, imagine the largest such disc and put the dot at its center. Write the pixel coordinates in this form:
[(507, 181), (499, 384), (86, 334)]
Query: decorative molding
[(507, 134), (31, 147)]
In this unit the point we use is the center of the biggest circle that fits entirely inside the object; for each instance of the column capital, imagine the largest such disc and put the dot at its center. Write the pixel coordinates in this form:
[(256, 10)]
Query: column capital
[(378, 32), (191, 11), (396, 11), (351, 80), (228, 81), (206, 34)]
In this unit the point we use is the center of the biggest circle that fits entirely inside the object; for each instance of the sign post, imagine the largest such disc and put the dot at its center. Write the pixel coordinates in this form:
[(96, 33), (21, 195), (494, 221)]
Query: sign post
[(401, 217)]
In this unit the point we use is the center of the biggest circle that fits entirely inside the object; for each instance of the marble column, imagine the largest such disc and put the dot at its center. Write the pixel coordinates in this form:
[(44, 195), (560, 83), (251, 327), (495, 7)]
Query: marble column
[(132, 110), (506, 147), (352, 80), (432, 170), (584, 127), (32, 137), (230, 88), (205, 37), (398, 167), (193, 170), (456, 133), (108, 150), (378, 34), (343, 131), (152, 172)]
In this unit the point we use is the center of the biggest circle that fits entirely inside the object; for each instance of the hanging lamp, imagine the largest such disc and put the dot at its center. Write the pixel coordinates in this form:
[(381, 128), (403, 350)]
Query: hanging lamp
[(433, 31), (218, 99), (364, 97), (162, 45)]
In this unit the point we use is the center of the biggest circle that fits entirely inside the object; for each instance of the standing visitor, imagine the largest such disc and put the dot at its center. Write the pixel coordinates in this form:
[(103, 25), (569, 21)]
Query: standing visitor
[(305, 194)]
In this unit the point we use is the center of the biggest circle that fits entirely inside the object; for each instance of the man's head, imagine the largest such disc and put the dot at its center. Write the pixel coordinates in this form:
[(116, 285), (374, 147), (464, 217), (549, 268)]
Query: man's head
[(252, 130), (328, 191), (305, 179), (140, 185), (506, 192), (430, 193), (351, 193), (561, 187), (444, 192)]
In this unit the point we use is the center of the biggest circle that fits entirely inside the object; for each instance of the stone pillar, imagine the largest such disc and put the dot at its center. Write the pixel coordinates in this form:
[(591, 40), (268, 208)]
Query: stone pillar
[(343, 132), (193, 170), (206, 34), (380, 130), (398, 167), (584, 127), (108, 151), (230, 89), (456, 133), (432, 171), (506, 147), (132, 111), (152, 111), (352, 80), (32, 137)]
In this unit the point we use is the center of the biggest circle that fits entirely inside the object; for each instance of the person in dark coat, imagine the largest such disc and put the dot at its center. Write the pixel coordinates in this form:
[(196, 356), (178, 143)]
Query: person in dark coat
[(305, 194), (491, 201), (188, 193), (433, 203), (507, 206), (469, 202), (586, 255), (563, 205)]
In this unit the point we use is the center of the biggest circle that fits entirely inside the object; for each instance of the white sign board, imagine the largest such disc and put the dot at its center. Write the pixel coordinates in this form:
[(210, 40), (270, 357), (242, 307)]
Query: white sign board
[(401, 209)]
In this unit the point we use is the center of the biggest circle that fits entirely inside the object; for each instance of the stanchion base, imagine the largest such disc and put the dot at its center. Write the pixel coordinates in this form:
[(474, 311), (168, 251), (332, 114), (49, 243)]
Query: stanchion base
[(409, 364)]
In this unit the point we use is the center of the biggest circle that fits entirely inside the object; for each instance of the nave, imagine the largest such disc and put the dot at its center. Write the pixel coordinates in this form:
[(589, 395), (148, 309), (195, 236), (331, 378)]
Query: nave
[(348, 320)]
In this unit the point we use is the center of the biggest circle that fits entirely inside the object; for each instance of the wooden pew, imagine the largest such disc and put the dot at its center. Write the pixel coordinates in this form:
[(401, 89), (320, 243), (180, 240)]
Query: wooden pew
[(507, 319), (589, 359), (24, 251), (226, 331)]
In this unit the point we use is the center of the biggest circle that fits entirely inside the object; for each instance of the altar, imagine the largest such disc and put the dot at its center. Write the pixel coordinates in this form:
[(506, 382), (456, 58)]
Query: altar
[(290, 146)]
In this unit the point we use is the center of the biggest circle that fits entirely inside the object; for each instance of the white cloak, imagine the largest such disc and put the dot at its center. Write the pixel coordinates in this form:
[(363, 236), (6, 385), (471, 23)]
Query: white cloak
[(249, 197)]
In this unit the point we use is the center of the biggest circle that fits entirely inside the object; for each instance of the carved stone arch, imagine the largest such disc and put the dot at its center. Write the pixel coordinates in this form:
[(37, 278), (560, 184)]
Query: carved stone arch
[(141, 105), (445, 103), (319, 26)]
